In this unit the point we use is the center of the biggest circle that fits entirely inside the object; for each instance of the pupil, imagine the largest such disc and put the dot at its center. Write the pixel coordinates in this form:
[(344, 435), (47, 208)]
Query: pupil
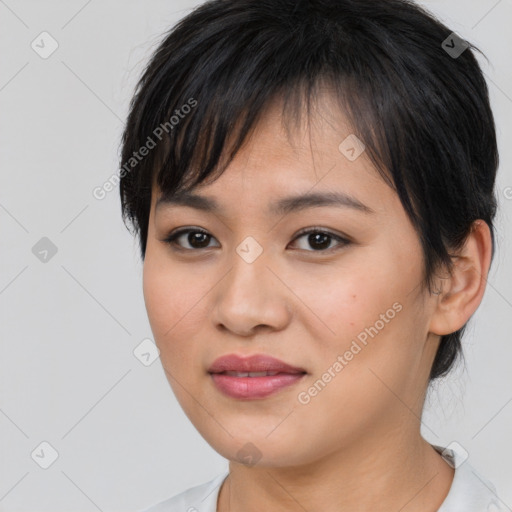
[(196, 237), (314, 237)]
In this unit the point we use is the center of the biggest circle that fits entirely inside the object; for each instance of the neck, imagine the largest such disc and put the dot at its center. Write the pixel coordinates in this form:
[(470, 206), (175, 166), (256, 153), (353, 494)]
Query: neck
[(380, 473)]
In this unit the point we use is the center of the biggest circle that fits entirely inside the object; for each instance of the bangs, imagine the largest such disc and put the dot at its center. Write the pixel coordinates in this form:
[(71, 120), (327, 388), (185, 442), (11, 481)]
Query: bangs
[(208, 140)]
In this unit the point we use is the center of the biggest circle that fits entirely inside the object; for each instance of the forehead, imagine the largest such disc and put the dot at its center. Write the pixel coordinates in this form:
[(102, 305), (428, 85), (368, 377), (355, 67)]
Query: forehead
[(291, 166)]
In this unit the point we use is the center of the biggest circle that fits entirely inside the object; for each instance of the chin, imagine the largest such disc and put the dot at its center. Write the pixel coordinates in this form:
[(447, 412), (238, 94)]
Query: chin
[(260, 450)]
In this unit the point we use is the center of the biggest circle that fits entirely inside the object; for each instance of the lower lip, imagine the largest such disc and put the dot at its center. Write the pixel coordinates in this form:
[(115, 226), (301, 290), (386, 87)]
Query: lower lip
[(254, 387)]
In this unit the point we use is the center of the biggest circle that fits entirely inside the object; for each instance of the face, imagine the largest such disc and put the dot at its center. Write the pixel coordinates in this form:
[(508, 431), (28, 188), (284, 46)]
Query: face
[(343, 303)]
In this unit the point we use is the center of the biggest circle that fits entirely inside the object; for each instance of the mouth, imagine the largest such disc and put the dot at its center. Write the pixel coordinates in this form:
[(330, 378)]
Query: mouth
[(252, 365), (252, 374), (247, 387), (253, 377)]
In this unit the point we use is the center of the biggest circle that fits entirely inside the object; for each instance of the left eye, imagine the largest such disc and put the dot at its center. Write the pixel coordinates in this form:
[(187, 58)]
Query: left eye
[(321, 239), (197, 239)]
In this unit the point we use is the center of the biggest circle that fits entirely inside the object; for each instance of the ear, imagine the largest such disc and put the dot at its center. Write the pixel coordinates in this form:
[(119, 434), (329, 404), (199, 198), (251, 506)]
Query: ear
[(462, 292)]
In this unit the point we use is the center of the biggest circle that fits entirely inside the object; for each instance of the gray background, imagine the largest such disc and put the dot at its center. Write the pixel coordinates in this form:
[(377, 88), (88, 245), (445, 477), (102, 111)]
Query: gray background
[(68, 326)]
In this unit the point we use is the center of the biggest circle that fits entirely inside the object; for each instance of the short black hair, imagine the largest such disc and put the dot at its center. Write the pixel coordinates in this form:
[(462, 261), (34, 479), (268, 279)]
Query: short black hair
[(421, 109)]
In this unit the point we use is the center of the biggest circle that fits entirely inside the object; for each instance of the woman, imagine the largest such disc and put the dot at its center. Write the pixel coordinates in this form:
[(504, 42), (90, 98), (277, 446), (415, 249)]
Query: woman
[(312, 184)]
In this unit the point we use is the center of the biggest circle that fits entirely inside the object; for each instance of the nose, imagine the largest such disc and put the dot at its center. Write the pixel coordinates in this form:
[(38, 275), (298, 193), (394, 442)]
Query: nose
[(252, 296)]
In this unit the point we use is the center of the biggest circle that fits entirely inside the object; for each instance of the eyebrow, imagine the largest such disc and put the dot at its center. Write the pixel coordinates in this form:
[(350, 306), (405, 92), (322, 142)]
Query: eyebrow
[(281, 207)]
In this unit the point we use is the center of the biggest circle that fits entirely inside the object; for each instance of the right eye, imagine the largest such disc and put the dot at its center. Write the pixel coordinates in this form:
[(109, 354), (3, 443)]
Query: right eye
[(197, 239)]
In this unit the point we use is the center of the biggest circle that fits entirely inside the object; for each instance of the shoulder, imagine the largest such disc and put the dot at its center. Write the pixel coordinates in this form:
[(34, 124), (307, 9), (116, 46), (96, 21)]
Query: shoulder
[(200, 498), (470, 490)]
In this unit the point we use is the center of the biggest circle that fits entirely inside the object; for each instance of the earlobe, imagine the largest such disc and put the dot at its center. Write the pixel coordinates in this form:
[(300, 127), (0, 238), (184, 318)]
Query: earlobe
[(462, 292)]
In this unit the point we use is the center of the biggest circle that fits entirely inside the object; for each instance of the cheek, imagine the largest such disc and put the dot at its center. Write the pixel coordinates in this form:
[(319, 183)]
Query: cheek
[(164, 307), (167, 293), (365, 312), (363, 366), (157, 297), (174, 307), (348, 298)]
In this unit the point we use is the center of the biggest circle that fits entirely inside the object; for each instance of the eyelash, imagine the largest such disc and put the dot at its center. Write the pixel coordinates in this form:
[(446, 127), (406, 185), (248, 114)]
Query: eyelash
[(171, 239)]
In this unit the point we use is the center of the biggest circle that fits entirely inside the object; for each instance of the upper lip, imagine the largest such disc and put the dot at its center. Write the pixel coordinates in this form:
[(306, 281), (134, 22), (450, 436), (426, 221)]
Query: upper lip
[(253, 363)]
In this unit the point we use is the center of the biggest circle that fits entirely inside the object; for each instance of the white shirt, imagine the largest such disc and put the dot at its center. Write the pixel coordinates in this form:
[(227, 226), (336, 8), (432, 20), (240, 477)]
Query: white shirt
[(469, 492)]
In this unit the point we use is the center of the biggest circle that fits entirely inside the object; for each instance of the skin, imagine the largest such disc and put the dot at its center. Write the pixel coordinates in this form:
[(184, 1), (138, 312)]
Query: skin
[(357, 444)]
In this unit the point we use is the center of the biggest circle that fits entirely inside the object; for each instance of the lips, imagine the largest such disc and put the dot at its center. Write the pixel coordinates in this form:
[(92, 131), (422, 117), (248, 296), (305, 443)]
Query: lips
[(254, 377), (255, 364)]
